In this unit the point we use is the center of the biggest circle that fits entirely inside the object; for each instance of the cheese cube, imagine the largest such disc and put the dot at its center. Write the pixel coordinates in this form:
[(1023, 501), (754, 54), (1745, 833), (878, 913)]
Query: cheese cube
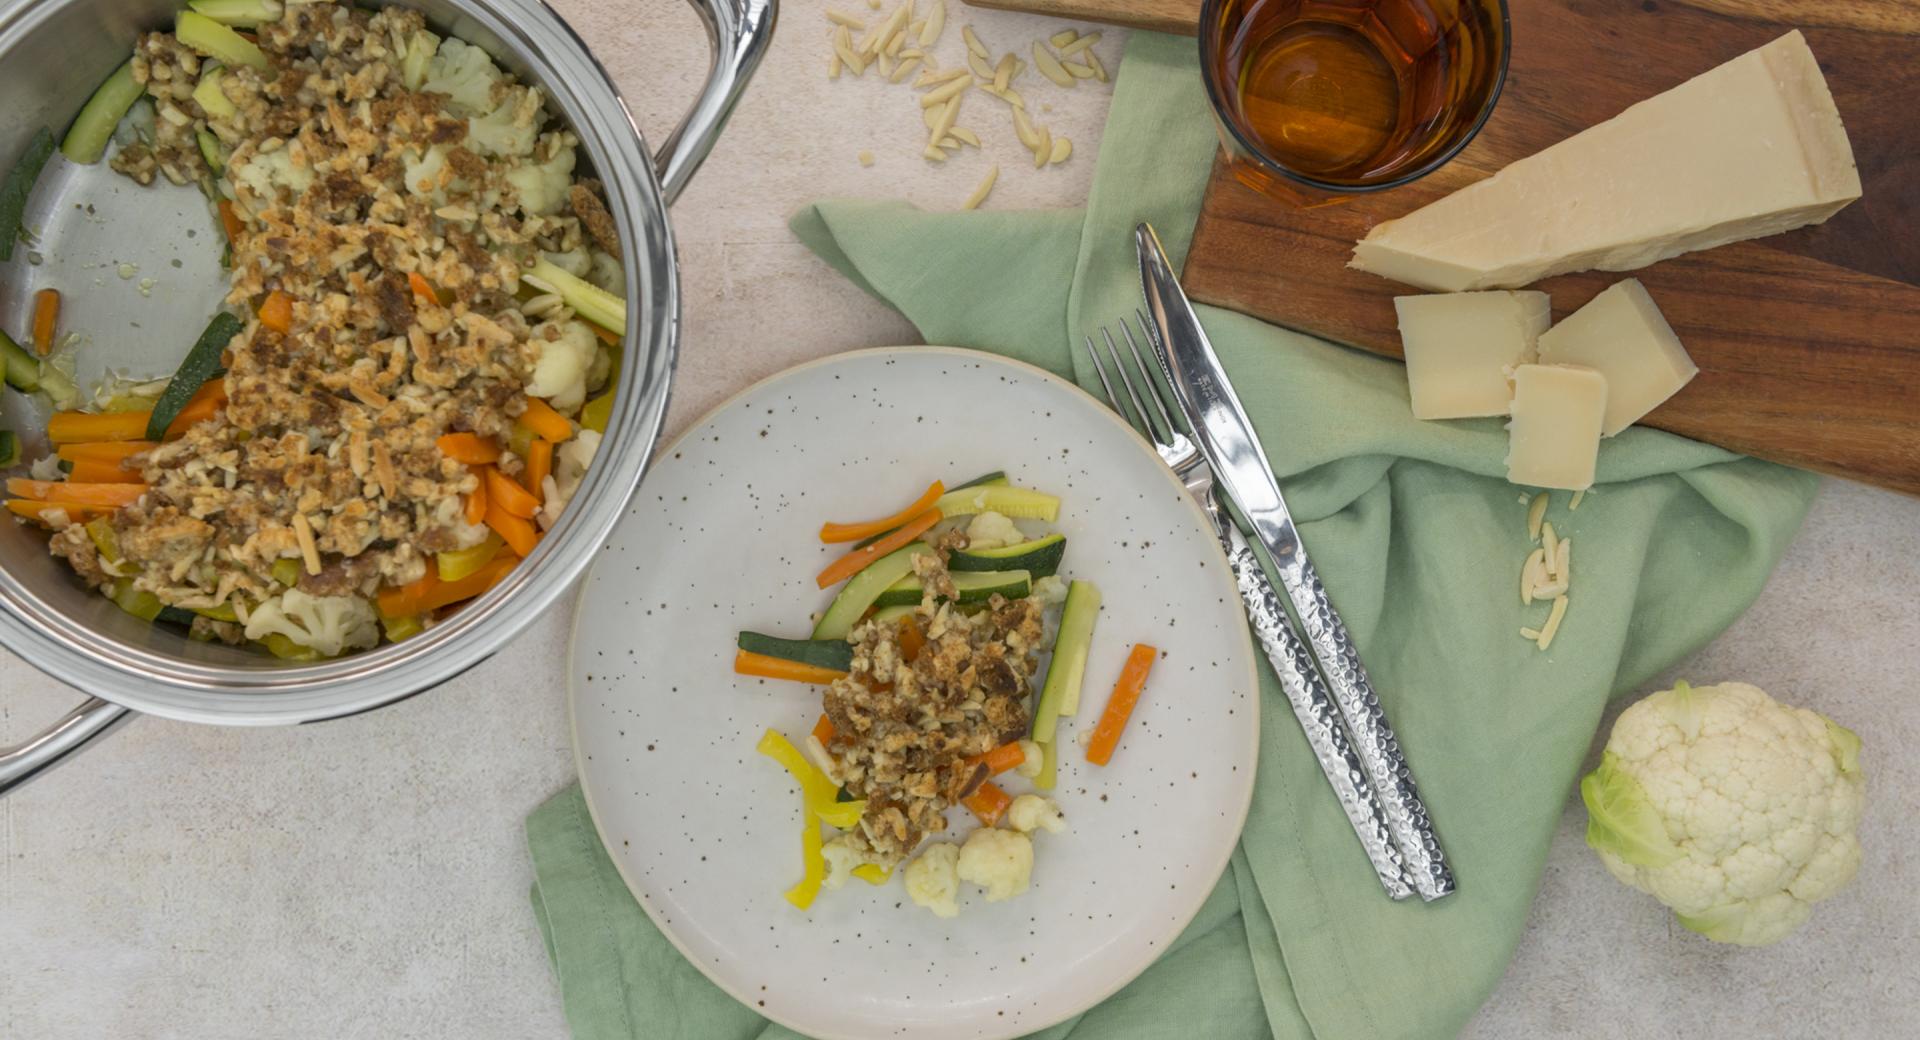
[(1554, 438), (1754, 147), (1623, 335), (1459, 347)]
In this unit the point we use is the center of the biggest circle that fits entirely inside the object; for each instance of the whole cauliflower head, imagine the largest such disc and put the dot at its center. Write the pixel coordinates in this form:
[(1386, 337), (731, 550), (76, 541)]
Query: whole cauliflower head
[(933, 879), (1000, 861), (1737, 811)]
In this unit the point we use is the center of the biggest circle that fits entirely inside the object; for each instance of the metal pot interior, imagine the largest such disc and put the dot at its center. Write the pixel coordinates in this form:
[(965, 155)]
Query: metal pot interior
[(90, 221)]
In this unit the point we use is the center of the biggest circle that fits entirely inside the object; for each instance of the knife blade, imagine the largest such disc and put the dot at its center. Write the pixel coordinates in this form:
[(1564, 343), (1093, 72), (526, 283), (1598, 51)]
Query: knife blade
[(1226, 437)]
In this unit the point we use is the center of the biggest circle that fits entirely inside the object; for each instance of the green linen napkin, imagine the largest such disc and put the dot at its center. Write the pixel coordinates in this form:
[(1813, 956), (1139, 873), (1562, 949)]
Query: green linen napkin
[(1419, 540)]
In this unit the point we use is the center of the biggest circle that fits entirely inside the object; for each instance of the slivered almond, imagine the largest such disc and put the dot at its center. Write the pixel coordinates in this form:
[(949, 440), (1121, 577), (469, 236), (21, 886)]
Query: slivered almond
[(950, 143), (1044, 148), (843, 46), (980, 67), (966, 136), (973, 42), (1077, 71), (865, 157), (948, 113), (1023, 129), (1536, 512), (1533, 574), (1575, 503), (303, 533), (834, 64), (981, 192), (1099, 70), (1003, 71), (934, 153), (884, 63), (940, 95), (936, 21), (1061, 149), (1062, 38), (1552, 626), (905, 69), (841, 18), (1050, 66), (1073, 47)]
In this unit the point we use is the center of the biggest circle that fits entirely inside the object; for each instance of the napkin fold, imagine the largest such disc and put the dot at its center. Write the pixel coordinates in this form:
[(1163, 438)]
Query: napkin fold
[(1419, 539)]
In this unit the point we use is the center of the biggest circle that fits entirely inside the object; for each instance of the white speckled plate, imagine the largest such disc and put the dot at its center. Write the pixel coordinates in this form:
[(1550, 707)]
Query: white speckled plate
[(723, 536)]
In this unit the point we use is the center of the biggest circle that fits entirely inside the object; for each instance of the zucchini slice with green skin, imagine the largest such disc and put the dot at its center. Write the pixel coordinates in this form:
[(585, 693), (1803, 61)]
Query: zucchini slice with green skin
[(1039, 558), (998, 478), (212, 151), (587, 299), (87, 138), (18, 185), (246, 14), (205, 36), (974, 587), (1061, 694), (1013, 502), (22, 368), (863, 588), (9, 449), (885, 615), (835, 654), (208, 95), (199, 366)]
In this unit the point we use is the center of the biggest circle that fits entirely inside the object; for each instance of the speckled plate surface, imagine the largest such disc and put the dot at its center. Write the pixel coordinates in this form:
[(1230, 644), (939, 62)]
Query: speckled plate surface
[(722, 536)]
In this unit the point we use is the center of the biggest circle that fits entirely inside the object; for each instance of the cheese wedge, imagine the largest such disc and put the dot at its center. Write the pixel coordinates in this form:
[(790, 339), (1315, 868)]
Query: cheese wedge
[(1554, 438), (1622, 335), (1460, 346), (1752, 148)]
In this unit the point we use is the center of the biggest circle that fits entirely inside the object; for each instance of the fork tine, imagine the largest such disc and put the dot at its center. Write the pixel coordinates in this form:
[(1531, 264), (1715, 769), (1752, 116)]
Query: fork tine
[(1100, 370), (1140, 407), (1160, 365), (1154, 391)]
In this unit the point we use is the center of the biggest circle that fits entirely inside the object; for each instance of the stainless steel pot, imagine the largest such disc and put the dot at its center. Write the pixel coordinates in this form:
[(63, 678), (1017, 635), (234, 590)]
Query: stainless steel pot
[(52, 54)]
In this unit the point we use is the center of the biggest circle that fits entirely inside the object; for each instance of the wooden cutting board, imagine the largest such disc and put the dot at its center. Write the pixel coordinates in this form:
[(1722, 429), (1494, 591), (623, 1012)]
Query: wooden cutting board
[(1808, 343)]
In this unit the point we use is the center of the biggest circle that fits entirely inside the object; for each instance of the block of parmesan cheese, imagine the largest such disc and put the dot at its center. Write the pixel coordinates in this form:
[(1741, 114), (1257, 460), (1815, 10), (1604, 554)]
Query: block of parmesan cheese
[(1752, 148), (1622, 334), (1459, 347), (1554, 438)]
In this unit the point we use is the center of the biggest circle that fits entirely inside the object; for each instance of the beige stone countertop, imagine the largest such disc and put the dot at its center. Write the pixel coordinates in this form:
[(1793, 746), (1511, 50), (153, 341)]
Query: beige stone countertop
[(368, 877)]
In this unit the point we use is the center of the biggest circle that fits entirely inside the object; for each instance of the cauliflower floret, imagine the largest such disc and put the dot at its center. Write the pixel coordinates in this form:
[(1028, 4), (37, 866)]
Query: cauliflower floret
[(574, 261), (1030, 812), (1737, 811), (328, 624), (1051, 590), (46, 467), (607, 273), (933, 880), (423, 171), (990, 530), (509, 129), (570, 462), (464, 74), (560, 374), (843, 854), (543, 185), (1032, 761), (263, 172), (1000, 861)]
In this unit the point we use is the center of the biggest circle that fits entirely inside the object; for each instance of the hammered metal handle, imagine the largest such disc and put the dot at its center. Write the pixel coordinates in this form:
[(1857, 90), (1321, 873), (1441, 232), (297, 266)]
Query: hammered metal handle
[(1319, 718), (1378, 747)]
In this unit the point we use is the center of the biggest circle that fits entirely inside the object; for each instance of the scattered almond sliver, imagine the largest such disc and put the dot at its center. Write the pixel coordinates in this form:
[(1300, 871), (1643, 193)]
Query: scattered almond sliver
[(1547, 573), (898, 44)]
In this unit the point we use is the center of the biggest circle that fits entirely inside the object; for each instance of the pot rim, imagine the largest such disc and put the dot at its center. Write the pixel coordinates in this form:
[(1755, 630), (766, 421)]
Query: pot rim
[(552, 55)]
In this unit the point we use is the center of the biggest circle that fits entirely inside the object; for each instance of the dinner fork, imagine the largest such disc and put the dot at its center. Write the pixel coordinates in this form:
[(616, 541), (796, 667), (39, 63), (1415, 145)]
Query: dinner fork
[(1305, 689)]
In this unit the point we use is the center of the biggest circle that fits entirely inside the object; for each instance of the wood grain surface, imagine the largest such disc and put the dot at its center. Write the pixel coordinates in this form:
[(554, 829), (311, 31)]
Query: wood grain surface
[(1808, 342), (1168, 16)]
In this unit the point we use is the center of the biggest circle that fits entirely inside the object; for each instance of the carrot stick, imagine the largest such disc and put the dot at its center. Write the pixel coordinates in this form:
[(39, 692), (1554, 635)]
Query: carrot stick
[(989, 803), (101, 471), (104, 451), (539, 464), (912, 640), (823, 730), (470, 448), (854, 562), (508, 497), (46, 314), (1126, 693), (404, 600), (544, 421), (1000, 759), (205, 402), (447, 593), (766, 667), (34, 509), (276, 312), (607, 336), (832, 532), (230, 221), (422, 288), (76, 427), (477, 503), (518, 532), (110, 495)]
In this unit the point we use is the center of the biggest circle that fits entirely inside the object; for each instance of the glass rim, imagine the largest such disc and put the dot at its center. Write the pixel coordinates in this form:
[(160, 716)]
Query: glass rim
[(1208, 46)]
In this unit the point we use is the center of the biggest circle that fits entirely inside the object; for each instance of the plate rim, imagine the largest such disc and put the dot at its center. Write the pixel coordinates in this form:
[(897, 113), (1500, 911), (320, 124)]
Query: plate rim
[(1162, 940)]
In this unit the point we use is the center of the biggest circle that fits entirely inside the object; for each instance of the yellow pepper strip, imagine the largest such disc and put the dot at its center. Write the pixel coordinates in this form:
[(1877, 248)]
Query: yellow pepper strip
[(844, 815), (816, 794), (597, 412), (872, 874), (403, 627), (459, 563), (801, 895)]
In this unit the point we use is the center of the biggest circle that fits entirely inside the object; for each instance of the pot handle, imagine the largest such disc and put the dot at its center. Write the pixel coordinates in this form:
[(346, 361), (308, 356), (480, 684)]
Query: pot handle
[(739, 32), (75, 730)]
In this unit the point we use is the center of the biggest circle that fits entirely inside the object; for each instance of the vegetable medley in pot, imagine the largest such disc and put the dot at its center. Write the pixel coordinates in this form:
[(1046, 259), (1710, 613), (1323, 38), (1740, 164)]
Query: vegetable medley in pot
[(417, 371)]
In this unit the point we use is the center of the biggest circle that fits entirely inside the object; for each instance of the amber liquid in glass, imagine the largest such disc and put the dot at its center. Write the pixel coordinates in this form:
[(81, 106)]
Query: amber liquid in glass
[(1353, 91)]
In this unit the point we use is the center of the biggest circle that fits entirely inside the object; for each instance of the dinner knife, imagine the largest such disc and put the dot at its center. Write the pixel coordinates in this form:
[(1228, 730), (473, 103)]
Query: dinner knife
[(1224, 434)]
